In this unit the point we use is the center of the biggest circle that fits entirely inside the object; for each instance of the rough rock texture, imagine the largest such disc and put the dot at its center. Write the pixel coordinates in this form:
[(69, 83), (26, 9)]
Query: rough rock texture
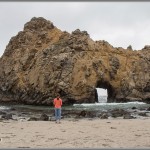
[(42, 61)]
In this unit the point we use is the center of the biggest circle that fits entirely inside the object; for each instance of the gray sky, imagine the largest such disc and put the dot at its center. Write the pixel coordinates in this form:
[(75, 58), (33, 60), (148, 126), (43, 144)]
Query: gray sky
[(120, 23)]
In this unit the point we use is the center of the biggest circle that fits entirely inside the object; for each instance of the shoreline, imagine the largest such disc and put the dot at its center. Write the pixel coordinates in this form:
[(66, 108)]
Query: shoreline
[(36, 128), (40, 113), (76, 133)]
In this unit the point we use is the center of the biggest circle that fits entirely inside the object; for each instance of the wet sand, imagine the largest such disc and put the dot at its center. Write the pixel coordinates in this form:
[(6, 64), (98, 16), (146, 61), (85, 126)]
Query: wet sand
[(82, 133)]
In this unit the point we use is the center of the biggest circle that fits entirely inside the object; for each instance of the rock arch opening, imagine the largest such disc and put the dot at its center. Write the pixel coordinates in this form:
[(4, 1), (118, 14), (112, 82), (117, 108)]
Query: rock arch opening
[(102, 95), (105, 85)]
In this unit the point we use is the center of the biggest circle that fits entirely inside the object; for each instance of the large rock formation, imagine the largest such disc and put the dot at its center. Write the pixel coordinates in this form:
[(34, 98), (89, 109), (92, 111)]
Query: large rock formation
[(41, 61)]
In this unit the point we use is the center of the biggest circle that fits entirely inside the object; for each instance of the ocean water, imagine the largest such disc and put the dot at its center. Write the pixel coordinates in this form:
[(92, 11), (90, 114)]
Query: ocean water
[(108, 106), (84, 106), (102, 105)]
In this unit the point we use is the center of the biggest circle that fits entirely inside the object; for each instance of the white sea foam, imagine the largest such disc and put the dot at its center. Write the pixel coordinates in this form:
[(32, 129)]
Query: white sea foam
[(108, 104), (3, 107), (136, 102)]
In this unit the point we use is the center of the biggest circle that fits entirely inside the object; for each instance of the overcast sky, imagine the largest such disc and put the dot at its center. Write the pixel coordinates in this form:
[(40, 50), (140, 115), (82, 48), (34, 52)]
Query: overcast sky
[(120, 23)]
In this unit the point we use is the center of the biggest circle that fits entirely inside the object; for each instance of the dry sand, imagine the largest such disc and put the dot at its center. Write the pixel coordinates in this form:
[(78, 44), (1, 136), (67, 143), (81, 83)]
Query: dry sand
[(83, 133)]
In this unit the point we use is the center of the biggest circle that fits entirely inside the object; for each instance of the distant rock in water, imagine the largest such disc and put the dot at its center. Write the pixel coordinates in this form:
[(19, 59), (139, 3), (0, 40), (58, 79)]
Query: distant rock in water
[(42, 61)]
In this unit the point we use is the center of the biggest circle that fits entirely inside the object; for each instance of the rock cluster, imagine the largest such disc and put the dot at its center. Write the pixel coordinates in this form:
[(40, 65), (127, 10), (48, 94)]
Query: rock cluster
[(42, 61), (30, 115)]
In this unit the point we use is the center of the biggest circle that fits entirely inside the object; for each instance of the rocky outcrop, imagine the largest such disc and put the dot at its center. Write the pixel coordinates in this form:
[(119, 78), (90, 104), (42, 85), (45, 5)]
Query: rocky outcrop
[(42, 61)]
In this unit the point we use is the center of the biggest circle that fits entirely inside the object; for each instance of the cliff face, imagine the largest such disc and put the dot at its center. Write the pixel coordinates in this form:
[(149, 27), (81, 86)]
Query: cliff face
[(41, 61)]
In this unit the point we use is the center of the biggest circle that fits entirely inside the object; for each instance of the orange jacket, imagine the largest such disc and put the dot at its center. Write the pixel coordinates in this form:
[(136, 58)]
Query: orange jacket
[(57, 103)]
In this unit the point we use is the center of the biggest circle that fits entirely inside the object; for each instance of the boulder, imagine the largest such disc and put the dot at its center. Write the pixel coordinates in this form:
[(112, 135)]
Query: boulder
[(104, 116), (133, 107), (148, 109), (2, 113), (7, 116), (42, 61), (118, 113), (44, 117), (128, 116), (144, 114), (33, 119)]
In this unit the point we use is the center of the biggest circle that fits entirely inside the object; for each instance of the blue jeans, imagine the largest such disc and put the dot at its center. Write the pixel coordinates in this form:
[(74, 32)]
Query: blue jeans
[(57, 113)]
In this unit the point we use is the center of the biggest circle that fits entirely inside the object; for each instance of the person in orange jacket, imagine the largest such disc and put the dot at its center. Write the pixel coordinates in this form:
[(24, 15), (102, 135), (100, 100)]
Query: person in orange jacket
[(57, 104)]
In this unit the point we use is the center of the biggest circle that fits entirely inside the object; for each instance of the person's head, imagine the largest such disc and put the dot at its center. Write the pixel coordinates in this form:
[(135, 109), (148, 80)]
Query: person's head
[(58, 96)]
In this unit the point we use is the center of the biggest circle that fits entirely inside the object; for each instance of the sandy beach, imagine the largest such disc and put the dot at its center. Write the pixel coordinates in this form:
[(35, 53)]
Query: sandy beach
[(82, 133)]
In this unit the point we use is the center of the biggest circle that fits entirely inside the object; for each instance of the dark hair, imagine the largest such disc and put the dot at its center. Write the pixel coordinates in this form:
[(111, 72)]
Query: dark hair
[(58, 96)]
